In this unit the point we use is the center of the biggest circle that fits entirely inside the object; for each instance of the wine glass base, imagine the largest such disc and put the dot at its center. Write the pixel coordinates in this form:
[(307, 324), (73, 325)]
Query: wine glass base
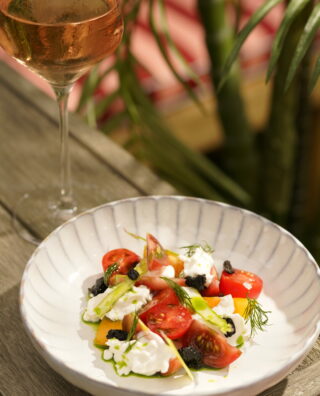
[(39, 212)]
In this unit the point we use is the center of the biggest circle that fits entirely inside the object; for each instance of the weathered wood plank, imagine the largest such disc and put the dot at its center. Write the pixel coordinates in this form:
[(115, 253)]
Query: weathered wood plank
[(103, 148), (22, 370), (15, 253), (305, 382), (29, 159)]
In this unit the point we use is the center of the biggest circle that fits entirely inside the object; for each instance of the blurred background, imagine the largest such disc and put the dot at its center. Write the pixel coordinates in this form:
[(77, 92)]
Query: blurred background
[(186, 94)]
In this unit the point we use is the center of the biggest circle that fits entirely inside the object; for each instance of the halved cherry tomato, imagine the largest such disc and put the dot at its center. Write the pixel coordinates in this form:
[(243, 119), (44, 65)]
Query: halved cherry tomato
[(214, 347), (124, 257), (156, 255), (173, 320), (241, 284), (213, 288), (176, 263), (174, 366), (165, 296), (155, 283)]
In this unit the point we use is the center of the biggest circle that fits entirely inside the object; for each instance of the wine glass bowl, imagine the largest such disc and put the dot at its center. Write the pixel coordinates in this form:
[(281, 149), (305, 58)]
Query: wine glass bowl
[(60, 41)]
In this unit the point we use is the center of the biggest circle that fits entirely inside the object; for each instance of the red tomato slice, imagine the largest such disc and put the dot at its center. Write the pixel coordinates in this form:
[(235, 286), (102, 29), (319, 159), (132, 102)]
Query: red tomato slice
[(124, 257), (214, 347), (173, 320), (156, 255), (165, 296), (155, 283), (213, 288), (241, 284)]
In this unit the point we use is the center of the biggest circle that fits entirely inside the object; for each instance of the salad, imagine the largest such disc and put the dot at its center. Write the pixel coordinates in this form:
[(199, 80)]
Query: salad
[(164, 311)]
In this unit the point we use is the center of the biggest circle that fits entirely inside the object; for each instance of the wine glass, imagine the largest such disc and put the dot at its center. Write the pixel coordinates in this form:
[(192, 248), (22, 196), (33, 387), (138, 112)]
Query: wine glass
[(59, 40)]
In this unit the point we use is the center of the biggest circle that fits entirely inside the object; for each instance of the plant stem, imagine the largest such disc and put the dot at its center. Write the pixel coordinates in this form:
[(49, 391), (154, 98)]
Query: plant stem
[(66, 202), (280, 140), (240, 158), (297, 216)]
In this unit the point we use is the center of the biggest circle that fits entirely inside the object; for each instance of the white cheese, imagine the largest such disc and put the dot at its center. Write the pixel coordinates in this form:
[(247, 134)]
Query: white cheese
[(168, 271), (146, 355), (242, 333), (89, 314), (225, 306), (131, 301), (200, 263)]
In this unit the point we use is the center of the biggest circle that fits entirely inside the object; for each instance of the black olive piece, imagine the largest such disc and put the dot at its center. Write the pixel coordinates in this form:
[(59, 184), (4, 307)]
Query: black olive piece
[(192, 357), (198, 282), (233, 330), (227, 267), (98, 287), (133, 274), (120, 335)]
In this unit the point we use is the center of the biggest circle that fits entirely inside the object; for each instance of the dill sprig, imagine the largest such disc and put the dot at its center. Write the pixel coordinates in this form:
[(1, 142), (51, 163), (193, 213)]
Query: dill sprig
[(135, 236), (109, 271), (130, 346), (191, 249), (133, 327), (182, 295), (256, 315)]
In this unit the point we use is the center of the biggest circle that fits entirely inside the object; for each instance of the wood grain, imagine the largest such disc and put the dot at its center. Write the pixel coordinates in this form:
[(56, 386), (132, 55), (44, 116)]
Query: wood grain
[(14, 254), (22, 370), (101, 147)]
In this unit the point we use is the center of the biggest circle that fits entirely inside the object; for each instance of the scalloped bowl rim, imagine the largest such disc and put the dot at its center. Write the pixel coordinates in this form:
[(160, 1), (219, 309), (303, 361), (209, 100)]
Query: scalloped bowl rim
[(284, 369)]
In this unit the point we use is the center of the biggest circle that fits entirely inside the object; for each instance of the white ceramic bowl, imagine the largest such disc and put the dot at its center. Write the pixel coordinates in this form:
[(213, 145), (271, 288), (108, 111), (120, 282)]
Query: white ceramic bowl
[(56, 279)]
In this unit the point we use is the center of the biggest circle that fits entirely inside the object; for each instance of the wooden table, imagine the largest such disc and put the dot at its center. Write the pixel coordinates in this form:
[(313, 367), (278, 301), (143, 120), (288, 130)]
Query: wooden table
[(28, 157)]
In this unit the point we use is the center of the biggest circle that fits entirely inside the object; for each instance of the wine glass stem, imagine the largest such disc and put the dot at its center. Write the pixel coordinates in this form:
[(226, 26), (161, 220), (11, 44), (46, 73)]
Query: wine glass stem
[(67, 202)]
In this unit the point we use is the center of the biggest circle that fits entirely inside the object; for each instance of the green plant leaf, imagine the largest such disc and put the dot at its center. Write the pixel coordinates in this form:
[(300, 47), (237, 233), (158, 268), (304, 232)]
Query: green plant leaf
[(315, 75), (304, 44), (103, 104), (162, 49), (171, 44), (244, 33), (91, 84), (293, 9), (114, 122)]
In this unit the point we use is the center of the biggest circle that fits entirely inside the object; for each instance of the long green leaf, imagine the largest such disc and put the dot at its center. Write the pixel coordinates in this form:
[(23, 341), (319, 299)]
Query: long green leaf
[(293, 9), (91, 84), (163, 51), (104, 103), (88, 88), (315, 75), (189, 71), (114, 122), (244, 33), (304, 44), (199, 162)]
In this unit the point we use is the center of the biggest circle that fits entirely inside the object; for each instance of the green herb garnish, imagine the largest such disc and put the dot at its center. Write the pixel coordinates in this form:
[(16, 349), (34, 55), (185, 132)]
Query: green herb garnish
[(130, 346), (191, 249), (133, 327), (110, 270), (135, 236), (182, 295), (256, 315)]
